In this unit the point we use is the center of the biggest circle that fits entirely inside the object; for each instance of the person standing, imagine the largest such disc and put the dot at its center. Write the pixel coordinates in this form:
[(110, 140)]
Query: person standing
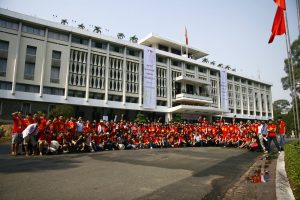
[(262, 134), (272, 135), (281, 133), (16, 132)]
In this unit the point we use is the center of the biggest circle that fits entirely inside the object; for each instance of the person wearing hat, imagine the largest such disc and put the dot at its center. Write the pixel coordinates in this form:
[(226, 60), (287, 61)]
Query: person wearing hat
[(272, 135)]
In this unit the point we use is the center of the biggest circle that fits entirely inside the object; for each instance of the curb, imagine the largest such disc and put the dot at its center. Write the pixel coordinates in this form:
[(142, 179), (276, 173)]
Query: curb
[(283, 188)]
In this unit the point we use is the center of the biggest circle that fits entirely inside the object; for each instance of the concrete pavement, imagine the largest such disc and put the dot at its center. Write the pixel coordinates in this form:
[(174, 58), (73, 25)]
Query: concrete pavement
[(185, 173)]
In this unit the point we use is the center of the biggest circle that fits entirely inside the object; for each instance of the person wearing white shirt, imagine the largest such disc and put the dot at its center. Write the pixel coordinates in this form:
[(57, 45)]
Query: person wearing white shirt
[(28, 135), (262, 133)]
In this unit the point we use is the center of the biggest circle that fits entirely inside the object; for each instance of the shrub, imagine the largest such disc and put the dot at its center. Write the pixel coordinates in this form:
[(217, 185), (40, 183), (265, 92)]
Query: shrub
[(292, 160), (65, 110)]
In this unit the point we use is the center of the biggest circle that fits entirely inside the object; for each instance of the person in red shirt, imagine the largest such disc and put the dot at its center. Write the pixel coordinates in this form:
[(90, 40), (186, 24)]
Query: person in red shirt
[(281, 132), (272, 135), (16, 132)]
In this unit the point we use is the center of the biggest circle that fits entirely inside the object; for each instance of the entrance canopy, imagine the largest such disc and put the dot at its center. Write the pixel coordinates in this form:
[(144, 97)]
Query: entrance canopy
[(203, 110)]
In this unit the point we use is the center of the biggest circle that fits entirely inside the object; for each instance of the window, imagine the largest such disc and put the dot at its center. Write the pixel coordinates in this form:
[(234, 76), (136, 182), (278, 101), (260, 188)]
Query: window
[(163, 48), (116, 48), (54, 74), (3, 57), (9, 24), (30, 63), (1, 105), (176, 51), (5, 85), (29, 71), (55, 67), (132, 52), (201, 70), (189, 67), (33, 30), (93, 95), (26, 108), (58, 36), (3, 64), (80, 40), (76, 93), (161, 59), (54, 91), (98, 45), (176, 63), (27, 88)]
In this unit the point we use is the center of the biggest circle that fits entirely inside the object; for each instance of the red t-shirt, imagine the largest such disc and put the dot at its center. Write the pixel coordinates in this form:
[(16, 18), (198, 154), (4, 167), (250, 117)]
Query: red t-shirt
[(17, 125), (271, 130), (282, 127)]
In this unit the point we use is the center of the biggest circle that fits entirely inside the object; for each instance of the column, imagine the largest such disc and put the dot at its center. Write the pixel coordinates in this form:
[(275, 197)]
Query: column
[(169, 84), (88, 64), (43, 63), (106, 74), (16, 60), (247, 93), (234, 96), (124, 75), (140, 78), (266, 105), (168, 117), (68, 67)]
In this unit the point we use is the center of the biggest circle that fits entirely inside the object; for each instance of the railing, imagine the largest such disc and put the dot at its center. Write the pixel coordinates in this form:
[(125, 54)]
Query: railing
[(193, 97)]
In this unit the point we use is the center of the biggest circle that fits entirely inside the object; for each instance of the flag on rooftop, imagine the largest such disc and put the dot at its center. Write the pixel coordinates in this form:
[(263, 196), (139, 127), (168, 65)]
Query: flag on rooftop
[(278, 27)]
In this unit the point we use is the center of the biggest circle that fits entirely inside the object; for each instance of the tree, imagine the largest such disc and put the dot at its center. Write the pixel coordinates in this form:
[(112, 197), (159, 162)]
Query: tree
[(120, 36), (140, 118), (205, 60), (133, 39), (220, 65), (97, 29), (213, 63), (227, 67), (65, 110), (81, 26), (64, 21), (177, 118), (295, 54)]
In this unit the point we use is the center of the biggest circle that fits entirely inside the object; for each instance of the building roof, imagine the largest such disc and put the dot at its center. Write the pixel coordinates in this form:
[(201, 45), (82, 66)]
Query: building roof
[(153, 38)]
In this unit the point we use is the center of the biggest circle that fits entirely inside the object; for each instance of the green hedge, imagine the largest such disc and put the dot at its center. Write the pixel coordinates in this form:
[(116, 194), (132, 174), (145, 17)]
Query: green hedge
[(292, 165)]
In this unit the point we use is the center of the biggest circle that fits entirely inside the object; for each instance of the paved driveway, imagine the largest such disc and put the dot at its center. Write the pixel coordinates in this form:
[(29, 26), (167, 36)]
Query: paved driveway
[(185, 173)]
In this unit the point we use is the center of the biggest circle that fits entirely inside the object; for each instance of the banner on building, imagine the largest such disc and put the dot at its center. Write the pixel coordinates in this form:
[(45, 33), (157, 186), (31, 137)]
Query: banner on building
[(149, 100), (224, 89)]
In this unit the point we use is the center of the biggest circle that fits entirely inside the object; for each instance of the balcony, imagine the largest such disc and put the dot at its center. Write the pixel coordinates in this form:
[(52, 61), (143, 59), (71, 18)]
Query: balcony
[(186, 79), (192, 98)]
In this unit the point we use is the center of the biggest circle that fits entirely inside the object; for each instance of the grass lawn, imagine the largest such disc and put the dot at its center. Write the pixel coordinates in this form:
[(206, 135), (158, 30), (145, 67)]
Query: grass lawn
[(292, 165)]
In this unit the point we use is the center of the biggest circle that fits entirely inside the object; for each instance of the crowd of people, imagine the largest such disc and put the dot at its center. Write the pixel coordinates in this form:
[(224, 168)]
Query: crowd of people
[(39, 135)]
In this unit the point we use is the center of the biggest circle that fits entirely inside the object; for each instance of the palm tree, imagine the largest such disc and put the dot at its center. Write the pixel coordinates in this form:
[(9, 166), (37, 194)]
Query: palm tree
[(213, 63), (81, 26), (97, 29), (133, 39), (205, 60), (64, 21), (220, 65), (227, 67), (120, 36)]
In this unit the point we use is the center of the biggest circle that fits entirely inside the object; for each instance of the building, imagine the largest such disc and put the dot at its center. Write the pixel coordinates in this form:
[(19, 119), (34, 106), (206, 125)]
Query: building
[(43, 64)]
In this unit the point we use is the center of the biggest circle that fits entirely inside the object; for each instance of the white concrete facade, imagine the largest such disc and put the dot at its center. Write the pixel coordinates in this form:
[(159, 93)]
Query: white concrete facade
[(78, 67)]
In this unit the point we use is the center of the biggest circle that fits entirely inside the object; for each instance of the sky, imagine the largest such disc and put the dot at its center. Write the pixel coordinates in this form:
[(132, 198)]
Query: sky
[(233, 32)]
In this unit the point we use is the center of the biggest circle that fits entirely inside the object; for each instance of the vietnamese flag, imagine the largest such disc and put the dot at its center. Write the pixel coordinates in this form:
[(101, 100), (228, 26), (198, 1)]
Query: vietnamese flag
[(278, 27), (280, 3), (186, 37)]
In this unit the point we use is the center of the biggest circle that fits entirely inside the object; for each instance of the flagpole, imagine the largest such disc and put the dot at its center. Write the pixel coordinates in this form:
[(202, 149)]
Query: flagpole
[(291, 66), (291, 82), (298, 15)]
